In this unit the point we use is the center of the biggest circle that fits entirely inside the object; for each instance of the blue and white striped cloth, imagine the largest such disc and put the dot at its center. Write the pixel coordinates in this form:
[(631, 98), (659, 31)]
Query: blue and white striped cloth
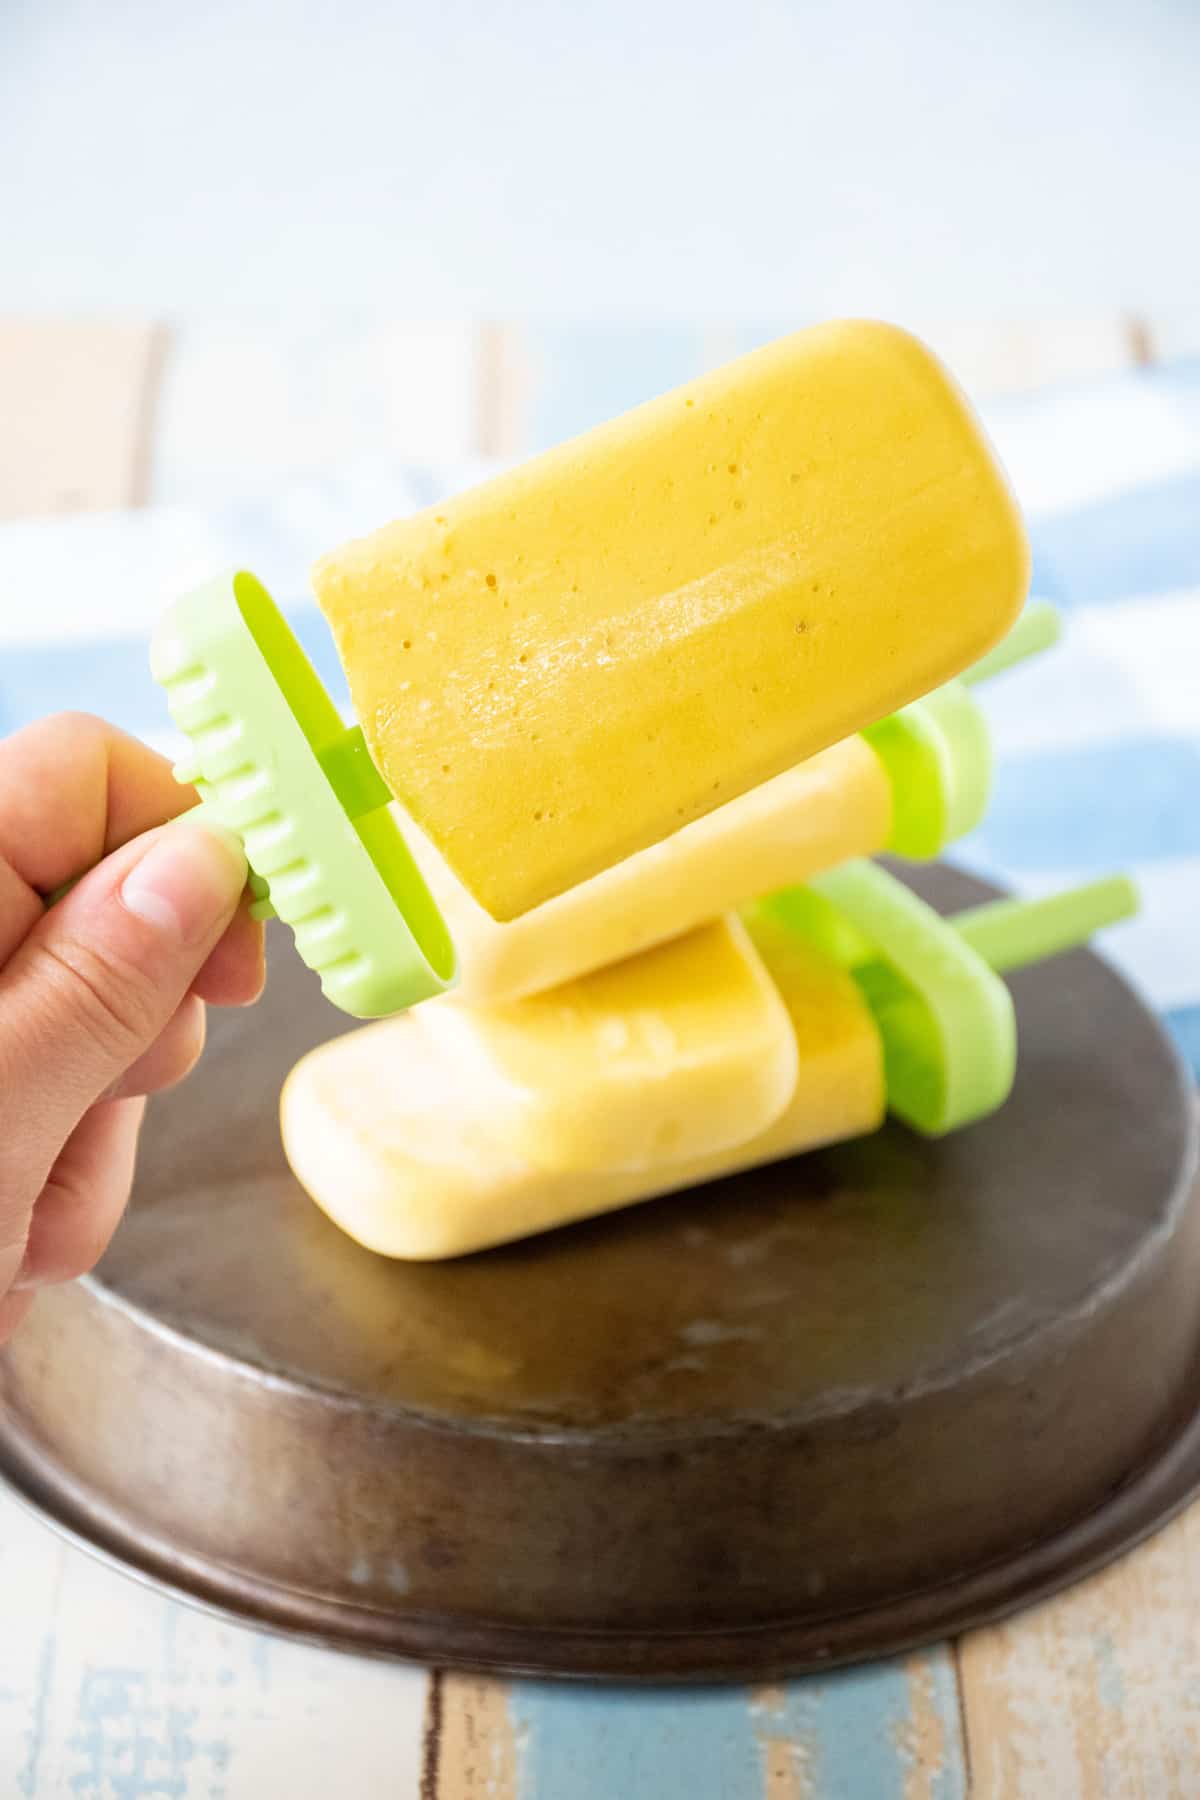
[(1098, 743)]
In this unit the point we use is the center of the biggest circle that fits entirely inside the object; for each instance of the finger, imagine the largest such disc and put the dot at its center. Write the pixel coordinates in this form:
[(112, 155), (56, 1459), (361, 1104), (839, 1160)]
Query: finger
[(235, 972), (98, 787), (105, 788), (96, 981), (173, 1054), (81, 1205)]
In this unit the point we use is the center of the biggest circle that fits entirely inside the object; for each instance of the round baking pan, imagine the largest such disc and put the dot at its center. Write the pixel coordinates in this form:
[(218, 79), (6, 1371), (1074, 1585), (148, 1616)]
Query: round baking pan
[(820, 1412)]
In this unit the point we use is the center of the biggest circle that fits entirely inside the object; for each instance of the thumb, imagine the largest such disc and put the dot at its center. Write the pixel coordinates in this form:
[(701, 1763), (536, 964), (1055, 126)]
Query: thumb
[(98, 978)]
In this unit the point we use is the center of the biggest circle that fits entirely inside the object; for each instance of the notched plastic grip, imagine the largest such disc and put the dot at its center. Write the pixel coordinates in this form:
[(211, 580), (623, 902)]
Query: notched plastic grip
[(271, 755)]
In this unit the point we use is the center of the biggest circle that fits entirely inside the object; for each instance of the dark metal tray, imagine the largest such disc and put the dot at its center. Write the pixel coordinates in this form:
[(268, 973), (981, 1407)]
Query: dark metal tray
[(816, 1413)]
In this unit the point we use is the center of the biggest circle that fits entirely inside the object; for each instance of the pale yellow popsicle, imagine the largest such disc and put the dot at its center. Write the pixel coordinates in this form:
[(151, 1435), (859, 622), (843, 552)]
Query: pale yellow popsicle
[(835, 806), (381, 1129), (672, 1055), (564, 666)]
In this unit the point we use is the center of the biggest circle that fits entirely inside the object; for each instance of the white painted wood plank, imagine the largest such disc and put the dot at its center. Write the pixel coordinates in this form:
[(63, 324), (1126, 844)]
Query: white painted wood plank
[(1003, 356), (109, 1691), (31, 1567), (249, 405), (1095, 1696), (503, 382), (76, 403), (1174, 333)]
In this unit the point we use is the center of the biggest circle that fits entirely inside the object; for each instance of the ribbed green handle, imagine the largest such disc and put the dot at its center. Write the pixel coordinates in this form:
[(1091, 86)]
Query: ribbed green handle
[(270, 754)]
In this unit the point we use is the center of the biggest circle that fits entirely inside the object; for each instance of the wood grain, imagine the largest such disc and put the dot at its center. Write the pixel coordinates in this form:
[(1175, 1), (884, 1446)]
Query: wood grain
[(252, 407), (887, 1732), (1014, 356), (502, 378), (471, 1743), (787, 1762), (76, 414), (1174, 334), (1098, 1692), (109, 1691), (930, 1739)]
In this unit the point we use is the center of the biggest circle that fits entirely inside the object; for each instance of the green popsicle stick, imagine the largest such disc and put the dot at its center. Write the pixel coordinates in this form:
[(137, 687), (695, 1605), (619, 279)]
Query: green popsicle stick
[(1038, 628), (1012, 934)]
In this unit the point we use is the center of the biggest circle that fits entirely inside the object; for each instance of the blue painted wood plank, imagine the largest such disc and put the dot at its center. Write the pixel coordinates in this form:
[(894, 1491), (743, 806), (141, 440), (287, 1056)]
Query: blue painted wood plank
[(888, 1731)]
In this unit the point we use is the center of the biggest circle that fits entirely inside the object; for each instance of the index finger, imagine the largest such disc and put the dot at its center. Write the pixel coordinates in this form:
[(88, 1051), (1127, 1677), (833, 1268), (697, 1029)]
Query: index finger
[(72, 788)]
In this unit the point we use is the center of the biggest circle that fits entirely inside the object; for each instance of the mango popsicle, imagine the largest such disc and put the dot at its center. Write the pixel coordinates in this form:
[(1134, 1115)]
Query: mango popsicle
[(675, 1054), (381, 1130), (837, 804), (568, 664), (891, 1006)]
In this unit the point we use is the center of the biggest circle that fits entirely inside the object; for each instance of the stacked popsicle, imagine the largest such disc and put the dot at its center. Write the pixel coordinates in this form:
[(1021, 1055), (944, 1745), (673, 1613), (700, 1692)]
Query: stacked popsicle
[(704, 655)]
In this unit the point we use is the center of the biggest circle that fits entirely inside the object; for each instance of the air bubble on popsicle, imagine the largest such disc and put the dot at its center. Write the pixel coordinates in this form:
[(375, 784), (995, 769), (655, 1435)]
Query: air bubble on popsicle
[(933, 985)]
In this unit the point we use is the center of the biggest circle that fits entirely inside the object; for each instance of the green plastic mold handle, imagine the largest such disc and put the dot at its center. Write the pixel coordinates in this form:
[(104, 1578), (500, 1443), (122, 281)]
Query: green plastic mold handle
[(937, 750), (945, 1018), (947, 1021), (938, 755), (272, 757)]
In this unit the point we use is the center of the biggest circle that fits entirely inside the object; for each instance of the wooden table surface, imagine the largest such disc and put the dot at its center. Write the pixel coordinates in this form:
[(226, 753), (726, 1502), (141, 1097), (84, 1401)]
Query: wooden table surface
[(109, 1691)]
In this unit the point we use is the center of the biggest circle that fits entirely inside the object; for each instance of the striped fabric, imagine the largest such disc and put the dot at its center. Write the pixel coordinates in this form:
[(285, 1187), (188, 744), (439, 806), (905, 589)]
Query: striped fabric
[(1098, 743)]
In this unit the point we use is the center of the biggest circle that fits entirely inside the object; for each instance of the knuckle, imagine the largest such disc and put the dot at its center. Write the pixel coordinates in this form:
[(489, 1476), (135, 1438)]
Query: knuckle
[(75, 731), (75, 738), (74, 719), (113, 1002)]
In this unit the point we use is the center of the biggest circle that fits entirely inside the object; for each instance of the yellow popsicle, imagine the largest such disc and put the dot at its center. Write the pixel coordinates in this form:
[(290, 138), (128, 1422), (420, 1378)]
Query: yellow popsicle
[(381, 1130), (835, 806), (672, 1055), (563, 666)]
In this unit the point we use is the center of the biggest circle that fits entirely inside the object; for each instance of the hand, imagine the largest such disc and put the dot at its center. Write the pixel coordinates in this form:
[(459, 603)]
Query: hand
[(101, 997)]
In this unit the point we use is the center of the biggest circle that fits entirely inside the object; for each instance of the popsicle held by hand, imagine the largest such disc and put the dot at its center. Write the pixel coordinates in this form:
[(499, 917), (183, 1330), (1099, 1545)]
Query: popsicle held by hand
[(566, 666)]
